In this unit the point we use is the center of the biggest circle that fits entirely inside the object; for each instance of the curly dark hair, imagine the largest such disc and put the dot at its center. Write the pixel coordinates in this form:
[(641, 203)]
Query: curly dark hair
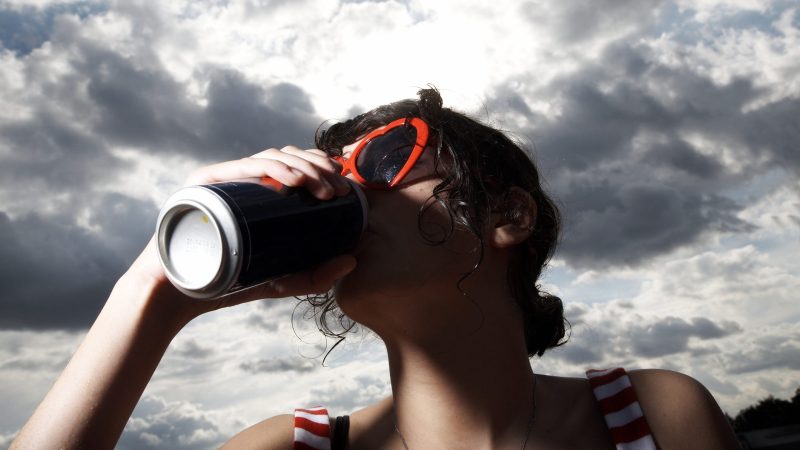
[(478, 166)]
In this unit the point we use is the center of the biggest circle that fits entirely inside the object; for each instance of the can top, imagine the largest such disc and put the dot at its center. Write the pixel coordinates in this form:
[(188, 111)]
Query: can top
[(194, 250), (199, 244)]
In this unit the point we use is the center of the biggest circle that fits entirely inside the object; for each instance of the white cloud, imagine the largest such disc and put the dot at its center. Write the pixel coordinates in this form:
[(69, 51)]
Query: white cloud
[(5, 439), (29, 364), (157, 423), (768, 57)]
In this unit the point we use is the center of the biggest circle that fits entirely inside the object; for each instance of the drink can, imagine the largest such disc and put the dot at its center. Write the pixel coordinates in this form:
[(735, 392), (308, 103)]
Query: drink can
[(220, 238)]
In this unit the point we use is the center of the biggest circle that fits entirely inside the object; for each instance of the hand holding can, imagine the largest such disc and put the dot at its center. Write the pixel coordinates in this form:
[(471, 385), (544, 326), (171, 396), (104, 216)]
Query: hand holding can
[(311, 171)]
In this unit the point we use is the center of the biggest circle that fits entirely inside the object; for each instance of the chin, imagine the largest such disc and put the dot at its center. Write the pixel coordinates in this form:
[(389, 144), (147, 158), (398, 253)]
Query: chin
[(362, 293)]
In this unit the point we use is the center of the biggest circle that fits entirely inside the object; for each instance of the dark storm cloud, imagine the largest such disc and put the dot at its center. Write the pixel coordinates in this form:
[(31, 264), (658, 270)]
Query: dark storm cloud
[(617, 160), (148, 109), (628, 223), (671, 335), (54, 154), (55, 273), (594, 340)]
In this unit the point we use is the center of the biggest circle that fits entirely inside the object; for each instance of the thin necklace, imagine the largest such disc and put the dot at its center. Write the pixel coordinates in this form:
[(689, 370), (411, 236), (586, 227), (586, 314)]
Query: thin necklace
[(527, 432)]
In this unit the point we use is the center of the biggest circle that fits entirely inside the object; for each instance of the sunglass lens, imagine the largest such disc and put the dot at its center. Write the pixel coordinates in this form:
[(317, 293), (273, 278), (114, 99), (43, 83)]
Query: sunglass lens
[(384, 156)]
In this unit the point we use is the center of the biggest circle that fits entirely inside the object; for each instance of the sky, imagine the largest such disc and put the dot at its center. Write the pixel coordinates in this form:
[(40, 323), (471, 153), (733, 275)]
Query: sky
[(667, 131)]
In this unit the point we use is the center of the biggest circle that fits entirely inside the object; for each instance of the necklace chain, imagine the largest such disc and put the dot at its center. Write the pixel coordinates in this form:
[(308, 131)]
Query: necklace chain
[(527, 431)]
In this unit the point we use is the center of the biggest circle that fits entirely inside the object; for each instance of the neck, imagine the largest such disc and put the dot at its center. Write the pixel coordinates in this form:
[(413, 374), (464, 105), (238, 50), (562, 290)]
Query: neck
[(474, 393)]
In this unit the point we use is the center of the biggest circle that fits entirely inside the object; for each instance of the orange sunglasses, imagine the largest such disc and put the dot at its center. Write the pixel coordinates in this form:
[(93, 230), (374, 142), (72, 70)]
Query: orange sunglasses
[(386, 155)]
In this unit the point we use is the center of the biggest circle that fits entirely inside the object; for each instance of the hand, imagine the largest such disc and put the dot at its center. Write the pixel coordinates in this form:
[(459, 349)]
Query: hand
[(311, 169)]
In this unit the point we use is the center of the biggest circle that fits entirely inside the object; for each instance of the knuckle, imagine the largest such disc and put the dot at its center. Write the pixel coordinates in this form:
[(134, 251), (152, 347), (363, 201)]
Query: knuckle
[(262, 153)]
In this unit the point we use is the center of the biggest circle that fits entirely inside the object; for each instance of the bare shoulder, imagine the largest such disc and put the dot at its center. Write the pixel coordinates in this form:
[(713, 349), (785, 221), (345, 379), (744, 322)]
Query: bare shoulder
[(681, 412), (275, 433)]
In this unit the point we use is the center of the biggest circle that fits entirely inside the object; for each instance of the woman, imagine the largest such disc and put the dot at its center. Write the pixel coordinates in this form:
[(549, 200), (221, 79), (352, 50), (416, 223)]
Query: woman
[(446, 276)]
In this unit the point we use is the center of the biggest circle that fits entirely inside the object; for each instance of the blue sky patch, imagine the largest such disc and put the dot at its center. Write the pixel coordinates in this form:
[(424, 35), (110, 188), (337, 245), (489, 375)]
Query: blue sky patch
[(26, 29)]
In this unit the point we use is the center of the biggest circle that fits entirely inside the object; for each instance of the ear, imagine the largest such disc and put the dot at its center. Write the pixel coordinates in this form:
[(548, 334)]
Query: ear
[(514, 219)]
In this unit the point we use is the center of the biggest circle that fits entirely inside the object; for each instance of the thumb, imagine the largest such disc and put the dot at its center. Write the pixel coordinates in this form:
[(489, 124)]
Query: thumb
[(324, 276)]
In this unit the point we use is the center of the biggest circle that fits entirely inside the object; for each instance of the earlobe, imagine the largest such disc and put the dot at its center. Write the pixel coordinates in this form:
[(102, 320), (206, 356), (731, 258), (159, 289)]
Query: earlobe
[(509, 235), (515, 219)]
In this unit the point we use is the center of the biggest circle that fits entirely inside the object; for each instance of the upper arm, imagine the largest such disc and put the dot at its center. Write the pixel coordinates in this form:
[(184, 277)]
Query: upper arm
[(275, 433), (681, 412)]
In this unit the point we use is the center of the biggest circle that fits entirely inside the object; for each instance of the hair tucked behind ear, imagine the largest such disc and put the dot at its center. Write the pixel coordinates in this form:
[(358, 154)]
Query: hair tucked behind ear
[(478, 166)]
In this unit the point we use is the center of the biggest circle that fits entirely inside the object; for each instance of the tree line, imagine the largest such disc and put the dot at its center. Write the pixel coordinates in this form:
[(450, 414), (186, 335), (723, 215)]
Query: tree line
[(767, 413)]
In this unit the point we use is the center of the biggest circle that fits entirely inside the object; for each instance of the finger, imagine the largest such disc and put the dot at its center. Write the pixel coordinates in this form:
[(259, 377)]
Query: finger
[(314, 156), (247, 168), (270, 150), (315, 180), (332, 169)]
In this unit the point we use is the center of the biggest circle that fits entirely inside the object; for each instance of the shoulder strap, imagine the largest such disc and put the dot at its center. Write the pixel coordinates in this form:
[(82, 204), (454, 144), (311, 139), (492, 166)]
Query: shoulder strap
[(312, 429), (623, 415), (340, 432)]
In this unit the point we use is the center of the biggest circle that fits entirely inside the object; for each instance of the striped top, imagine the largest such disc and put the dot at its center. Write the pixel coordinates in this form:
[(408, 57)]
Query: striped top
[(312, 429), (624, 417), (611, 387)]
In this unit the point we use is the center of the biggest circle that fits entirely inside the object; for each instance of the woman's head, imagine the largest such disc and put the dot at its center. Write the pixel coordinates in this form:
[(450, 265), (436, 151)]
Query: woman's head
[(480, 177)]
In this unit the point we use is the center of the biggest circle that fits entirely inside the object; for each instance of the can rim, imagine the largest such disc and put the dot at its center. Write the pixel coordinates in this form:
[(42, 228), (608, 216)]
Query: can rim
[(209, 203)]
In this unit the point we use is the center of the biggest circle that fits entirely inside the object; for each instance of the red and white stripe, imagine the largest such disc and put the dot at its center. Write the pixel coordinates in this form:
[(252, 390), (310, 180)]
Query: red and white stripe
[(312, 429), (614, 393)]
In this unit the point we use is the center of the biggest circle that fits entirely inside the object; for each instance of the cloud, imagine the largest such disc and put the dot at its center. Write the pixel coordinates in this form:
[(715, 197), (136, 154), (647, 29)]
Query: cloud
[(579, 21), (53, 155), (25, 28), (5, 439), (192, 350), (285, 364), (348, 394), (30, 361), (658, 127), (771, 349), (85, 100), (642, 155), (135, 102), (671, 335), (157, 423), (604, 334), (57, 273)]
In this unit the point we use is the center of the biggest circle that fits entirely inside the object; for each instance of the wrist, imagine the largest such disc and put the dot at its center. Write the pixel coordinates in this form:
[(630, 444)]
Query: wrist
[(152, 299)]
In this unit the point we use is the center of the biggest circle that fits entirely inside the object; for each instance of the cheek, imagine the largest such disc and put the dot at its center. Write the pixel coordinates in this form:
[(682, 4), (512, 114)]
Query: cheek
[(401, 255)]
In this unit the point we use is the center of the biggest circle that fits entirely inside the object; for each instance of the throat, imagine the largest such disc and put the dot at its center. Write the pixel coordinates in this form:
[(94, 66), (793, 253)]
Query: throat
[(459, 402)]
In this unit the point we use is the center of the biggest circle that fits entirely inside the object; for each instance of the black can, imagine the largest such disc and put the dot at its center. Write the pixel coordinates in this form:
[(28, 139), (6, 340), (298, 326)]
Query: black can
[(220, 238)]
